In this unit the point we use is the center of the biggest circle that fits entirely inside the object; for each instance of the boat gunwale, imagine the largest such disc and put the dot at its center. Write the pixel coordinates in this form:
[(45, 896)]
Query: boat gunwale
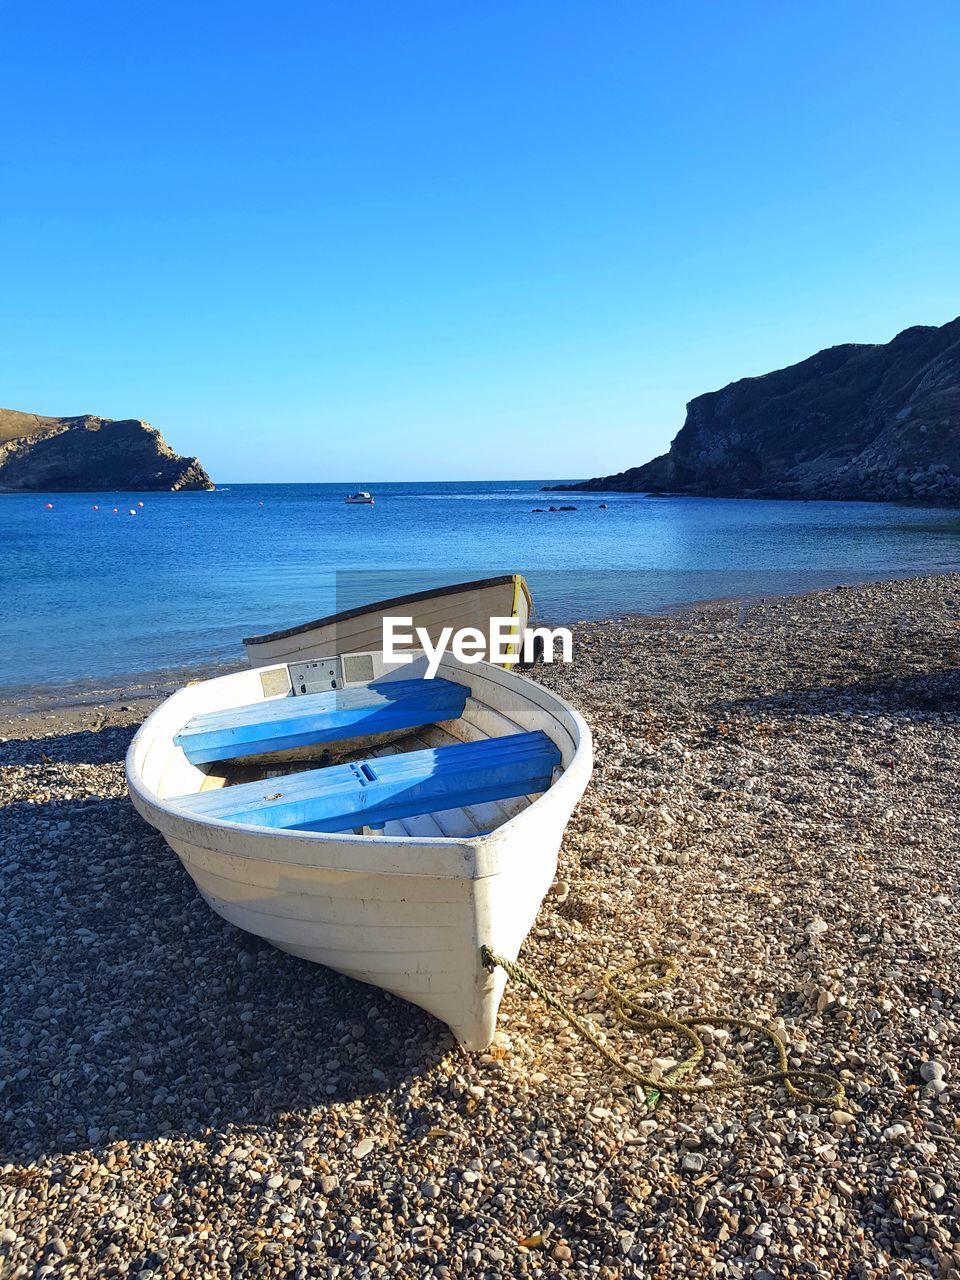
[(456, 588)]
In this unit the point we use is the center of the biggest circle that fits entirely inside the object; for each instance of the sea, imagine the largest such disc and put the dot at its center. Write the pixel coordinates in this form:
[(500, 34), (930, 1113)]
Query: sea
[(110, 591)]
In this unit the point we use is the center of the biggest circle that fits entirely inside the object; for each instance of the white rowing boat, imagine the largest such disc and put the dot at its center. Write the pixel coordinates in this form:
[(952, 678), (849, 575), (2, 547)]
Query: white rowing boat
[(405, 901), (462, 604)]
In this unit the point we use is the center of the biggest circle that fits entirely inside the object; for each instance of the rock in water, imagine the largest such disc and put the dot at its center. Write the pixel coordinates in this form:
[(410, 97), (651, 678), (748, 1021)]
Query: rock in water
[(90, 453), (875, 422)]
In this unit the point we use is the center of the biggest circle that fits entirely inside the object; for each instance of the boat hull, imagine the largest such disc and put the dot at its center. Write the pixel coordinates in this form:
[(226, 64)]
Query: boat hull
[(470, 604), (407, 913)]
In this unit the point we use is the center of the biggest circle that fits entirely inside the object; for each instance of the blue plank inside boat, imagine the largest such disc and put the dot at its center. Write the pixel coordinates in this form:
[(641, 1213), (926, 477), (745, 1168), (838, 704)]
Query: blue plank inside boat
[(320, 717), (385, 788)]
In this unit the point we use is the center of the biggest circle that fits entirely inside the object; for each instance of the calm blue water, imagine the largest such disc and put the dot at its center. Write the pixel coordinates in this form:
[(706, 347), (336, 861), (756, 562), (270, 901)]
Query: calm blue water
[(89, 595)]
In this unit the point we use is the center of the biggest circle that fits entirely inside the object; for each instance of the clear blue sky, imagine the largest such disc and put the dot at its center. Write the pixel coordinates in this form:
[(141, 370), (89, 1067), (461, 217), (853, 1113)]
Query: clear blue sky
[(368, 241)]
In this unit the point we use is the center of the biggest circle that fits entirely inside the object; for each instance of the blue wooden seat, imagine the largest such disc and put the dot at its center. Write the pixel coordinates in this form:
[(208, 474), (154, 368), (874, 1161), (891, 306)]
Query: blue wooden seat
[(315, 718), (384, 788)]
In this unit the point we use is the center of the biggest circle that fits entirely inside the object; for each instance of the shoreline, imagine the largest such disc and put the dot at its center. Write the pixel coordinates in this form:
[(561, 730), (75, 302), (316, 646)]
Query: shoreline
[(150, 687), (759, 496), (775, 802), (92, 698)]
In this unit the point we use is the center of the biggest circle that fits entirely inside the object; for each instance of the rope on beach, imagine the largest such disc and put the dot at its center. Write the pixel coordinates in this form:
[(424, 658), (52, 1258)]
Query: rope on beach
[(633, 1014)]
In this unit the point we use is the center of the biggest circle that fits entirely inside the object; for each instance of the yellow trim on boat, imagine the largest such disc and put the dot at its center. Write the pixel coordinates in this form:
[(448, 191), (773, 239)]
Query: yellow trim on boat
[(514, 649)]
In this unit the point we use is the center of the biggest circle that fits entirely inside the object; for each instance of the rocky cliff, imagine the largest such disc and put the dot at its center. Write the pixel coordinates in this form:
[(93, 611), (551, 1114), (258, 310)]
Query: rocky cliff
[(88, 453), (875, 422)]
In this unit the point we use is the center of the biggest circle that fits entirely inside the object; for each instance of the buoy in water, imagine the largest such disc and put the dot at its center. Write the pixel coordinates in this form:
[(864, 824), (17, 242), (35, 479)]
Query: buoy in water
[(133, 511), (115, 510), (95, 507), (49, 506), (139, 504)]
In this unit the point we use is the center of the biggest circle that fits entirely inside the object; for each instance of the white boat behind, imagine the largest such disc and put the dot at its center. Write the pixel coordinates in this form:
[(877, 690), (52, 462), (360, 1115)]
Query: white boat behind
[(407, 907), (462, 604), (359, 499)]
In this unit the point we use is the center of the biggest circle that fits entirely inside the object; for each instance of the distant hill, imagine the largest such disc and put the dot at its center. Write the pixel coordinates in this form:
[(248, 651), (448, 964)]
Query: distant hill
[(89, 453), (14, 425), (877, 422)]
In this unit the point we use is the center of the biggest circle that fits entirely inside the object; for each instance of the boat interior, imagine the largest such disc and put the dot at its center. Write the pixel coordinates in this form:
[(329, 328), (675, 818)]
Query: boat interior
[(335, 752)]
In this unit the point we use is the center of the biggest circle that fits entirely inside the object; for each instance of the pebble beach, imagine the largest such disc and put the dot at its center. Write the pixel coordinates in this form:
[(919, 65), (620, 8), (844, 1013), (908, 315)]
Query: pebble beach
[(775, 803)]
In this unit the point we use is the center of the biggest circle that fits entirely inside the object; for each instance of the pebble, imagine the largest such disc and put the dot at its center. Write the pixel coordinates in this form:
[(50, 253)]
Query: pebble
[(932, 1071), (181, 1099)]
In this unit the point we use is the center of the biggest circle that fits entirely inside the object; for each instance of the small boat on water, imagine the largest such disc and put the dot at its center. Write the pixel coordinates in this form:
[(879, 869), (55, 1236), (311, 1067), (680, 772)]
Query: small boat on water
[(387, 828), (462, 604), (360, 499)]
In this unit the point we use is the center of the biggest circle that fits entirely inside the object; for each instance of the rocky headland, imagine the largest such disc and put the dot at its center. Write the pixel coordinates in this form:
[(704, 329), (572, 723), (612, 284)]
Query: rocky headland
[(90, 453), (873, 422)]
